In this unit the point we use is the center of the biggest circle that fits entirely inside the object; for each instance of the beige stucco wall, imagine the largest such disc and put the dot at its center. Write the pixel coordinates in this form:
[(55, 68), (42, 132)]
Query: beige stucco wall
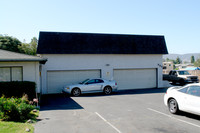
[(30, 71)]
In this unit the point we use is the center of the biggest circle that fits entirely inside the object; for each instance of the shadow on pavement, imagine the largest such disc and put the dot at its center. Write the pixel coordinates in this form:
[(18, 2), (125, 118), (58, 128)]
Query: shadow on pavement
[(142, 91), (65, 102), (128, 92), (58, 102), (189, 115)]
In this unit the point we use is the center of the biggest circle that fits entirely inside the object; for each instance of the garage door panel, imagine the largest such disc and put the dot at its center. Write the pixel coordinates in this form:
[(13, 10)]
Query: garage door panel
[(56, 80), (135, 78)]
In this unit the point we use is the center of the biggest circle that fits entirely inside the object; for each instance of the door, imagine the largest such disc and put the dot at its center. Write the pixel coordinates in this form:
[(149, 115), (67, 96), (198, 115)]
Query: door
[(192, 99), (92, 85), (56, 80), (135, 78)]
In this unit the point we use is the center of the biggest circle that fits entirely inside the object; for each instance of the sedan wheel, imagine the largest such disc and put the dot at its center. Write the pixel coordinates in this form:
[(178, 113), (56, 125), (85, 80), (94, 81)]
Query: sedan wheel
[(76, 92), (173, 106), (107, 90)]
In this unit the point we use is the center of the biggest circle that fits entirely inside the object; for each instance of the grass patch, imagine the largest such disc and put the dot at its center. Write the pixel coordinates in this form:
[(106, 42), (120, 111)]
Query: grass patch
[(15, 127), (18, 127)]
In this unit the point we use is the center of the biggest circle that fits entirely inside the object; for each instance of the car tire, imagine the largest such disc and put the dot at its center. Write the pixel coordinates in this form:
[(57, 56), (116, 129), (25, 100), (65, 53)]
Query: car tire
[(107, 90), (173, 106), (76, 92)]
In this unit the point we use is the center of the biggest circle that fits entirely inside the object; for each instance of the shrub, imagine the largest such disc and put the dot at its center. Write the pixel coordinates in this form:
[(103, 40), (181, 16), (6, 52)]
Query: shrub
[(18, 89), (15, 109), (24, 110), (9, 109)]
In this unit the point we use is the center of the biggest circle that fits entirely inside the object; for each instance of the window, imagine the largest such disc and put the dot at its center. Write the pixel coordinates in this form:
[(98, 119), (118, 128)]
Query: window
[(91, 81), (10, 74), (183, 73), (99, 81), (83, 82), (184, 90), (194, 90), (174, 73)]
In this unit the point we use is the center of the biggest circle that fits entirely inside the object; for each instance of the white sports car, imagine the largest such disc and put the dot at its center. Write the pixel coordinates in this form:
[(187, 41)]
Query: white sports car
[(91, 86), (186, 98)]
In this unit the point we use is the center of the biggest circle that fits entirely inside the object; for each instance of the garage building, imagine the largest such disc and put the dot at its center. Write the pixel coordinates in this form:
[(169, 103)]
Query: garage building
[(134, 61)]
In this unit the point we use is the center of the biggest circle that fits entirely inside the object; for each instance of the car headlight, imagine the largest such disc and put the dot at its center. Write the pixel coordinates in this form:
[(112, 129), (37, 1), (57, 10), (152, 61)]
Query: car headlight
[(67, 88)]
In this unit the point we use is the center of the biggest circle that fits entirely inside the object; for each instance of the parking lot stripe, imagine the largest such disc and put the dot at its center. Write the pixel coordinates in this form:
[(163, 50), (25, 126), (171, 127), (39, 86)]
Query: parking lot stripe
[(159, 112), (174, 117), (108, 122)]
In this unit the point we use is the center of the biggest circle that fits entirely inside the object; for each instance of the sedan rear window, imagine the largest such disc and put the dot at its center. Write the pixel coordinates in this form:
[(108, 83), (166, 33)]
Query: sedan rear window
[(194, 90), (184, 90)]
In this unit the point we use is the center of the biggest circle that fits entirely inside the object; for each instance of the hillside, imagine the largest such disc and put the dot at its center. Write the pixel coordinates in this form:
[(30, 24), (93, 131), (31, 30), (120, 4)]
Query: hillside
[(183, 57)]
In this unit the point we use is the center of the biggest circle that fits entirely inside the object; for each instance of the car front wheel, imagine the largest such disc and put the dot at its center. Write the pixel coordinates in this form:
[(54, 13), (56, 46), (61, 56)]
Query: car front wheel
[(76, 92), (107, 90), (173, 106)]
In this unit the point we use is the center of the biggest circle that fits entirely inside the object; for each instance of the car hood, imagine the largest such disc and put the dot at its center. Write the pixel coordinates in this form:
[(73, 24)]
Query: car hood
[(187, 76), (183, 76), (192, 76)]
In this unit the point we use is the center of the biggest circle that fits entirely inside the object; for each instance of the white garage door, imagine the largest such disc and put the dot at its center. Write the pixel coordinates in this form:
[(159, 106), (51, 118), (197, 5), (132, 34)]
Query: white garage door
[(56, 80), (135, 78)]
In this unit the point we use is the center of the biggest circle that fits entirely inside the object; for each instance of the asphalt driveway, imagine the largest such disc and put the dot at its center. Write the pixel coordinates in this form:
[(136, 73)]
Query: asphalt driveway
[(138, 111)]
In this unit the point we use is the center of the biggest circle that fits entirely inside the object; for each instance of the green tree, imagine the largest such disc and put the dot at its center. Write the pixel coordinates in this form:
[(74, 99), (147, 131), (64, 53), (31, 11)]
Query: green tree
[(25, 48), (178, 60), (192, 59), (197, 63), (33, 45), (29, 48), (9, 43), (13, 44), (170, 60)]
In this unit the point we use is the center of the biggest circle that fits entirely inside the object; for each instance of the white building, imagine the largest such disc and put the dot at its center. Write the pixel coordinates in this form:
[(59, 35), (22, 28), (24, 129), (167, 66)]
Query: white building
[(167, 67), (20, 67), (134, 61)]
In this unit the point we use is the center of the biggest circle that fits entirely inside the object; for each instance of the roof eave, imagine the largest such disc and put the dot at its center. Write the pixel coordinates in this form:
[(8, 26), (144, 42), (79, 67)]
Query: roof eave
[(42, 61)]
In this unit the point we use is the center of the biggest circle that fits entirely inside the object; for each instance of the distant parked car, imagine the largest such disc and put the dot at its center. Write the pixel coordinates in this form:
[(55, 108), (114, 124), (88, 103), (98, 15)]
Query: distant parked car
[(91, 86), (180, 76), (186, 98)]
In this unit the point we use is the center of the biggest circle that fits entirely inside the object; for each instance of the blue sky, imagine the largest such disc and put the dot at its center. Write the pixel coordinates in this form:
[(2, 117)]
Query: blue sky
[(177, 20)]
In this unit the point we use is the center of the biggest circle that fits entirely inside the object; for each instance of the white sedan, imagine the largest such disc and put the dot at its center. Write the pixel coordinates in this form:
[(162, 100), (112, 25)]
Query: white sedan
[(186, 98), (91, 86)]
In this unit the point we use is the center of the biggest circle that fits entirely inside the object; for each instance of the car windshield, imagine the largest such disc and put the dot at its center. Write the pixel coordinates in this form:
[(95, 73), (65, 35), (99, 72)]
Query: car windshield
[(183, 73), (83, 82)]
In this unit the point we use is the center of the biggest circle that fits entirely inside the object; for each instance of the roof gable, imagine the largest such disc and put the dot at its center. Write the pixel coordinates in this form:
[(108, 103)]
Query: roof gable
[(7, 56), (91, 43)]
